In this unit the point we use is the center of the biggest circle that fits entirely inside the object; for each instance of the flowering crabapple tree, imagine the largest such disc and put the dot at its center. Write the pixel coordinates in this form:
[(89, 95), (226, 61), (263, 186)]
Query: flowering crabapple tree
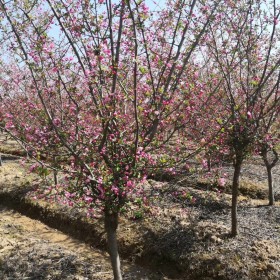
[(18, 105), (206, 126), (246, 51), (107, 90)]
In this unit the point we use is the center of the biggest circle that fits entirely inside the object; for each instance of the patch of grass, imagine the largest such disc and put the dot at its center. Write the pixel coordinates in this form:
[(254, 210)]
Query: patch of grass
[(253, 189), (247, 188)]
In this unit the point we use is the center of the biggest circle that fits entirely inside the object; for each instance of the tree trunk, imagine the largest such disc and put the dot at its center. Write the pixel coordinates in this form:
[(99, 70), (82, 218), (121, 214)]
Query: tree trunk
[(55, 177), (235, 185), (209, 163), (269, 165), (111, 225), (55, 171), (270, 185)]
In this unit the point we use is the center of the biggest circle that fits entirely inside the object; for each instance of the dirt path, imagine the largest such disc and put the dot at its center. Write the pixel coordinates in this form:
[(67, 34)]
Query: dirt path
[(31, 250)]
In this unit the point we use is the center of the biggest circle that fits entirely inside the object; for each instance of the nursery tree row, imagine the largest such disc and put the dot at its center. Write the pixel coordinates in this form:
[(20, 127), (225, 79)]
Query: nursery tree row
[(104, 92)]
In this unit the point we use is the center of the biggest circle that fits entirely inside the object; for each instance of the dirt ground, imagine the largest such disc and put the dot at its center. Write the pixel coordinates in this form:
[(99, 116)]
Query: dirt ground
[(182, 238), (31, 250)]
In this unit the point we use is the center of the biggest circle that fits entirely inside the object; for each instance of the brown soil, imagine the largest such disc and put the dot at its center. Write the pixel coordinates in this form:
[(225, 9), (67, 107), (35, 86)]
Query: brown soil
[(31, 250), (179, 240)]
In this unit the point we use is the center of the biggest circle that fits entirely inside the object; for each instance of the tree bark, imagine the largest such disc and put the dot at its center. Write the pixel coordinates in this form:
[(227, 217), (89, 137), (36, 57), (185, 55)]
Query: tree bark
[(55, 171), (235, 186), (269, 165), (111, 225), (55, 177), (209, 163), (270, 185)]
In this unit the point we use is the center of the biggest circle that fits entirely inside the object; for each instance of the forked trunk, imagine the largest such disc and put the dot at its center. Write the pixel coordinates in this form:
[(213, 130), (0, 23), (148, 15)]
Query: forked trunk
[(111, 225), (269, 165), (235, 186)]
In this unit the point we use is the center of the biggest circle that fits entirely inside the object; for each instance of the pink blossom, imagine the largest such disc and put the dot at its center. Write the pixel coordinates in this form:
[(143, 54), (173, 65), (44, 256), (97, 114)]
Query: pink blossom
[(107, 51), (102, 191), (9, 116), (88, 199), (9, 125), (67, 194), (56, 121), (115, 190), (221, 182), (204, 163), (129, 184), (33, 167), (249, 114), (202, 141)]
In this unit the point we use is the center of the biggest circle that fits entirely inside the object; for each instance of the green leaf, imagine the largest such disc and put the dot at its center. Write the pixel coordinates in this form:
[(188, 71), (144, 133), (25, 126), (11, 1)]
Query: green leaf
[(143, 70)]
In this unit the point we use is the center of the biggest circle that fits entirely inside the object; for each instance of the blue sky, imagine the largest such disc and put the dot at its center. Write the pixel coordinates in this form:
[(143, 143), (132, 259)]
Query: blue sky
[(152, 4)]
